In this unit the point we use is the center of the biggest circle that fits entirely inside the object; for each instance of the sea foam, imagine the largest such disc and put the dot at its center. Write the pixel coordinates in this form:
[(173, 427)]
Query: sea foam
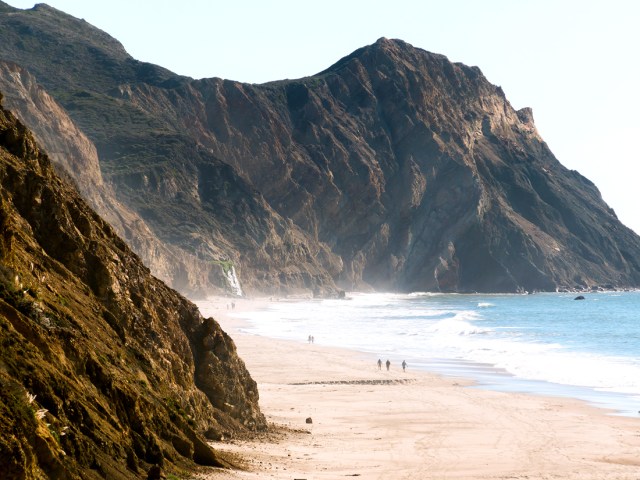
[(547, 337)]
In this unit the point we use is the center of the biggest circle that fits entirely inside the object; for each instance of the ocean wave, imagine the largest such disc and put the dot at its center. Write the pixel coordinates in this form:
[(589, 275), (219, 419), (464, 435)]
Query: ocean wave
[(425, 294), (518, 335), (457, 325), (569, 368)]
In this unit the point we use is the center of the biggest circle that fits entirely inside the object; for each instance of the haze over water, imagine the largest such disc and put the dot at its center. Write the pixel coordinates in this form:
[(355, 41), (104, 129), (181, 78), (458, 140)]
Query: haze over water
[(543, 343)]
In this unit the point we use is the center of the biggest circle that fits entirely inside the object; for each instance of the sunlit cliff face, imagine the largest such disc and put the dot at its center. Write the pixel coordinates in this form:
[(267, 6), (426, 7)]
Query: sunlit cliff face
[(103, 364)]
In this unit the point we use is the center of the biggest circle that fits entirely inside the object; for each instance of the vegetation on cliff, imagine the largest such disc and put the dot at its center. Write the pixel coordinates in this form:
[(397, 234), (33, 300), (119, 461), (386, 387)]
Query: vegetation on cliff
[(104, 370)]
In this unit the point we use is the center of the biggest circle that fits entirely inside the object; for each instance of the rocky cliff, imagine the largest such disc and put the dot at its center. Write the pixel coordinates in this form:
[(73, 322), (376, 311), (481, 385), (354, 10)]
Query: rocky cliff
[(393, 169), (197, 217), (75, 157), (104, 370)]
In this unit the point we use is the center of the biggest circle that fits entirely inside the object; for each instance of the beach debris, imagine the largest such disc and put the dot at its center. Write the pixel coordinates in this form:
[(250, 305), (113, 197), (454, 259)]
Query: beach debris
[(309, 420)]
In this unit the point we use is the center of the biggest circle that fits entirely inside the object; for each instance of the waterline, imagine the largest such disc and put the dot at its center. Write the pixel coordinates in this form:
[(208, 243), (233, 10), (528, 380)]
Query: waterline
[(546, 344)]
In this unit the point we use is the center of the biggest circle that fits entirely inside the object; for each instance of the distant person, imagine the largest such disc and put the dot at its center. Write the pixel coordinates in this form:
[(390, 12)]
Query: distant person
[(388, 364), (404, 365), (312, 339), (379, 364)]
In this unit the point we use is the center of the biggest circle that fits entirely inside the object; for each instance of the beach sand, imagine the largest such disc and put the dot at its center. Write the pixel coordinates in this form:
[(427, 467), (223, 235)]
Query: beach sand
[(375, 424)]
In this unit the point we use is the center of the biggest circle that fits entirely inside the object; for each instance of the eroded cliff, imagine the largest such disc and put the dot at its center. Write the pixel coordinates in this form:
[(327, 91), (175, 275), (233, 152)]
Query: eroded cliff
[(416, 171), (105, 371)]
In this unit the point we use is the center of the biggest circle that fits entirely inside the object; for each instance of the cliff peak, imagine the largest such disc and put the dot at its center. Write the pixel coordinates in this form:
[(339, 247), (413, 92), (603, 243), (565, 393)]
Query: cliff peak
[(392, 43), (387, 42), (388, 53), (5, 7)]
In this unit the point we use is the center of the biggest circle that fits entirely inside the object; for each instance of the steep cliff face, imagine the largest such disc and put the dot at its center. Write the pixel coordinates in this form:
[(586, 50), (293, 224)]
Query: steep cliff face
[(416, 171), (194, 218), (394, 168), (105, 370), (76, 158), (474, 196)]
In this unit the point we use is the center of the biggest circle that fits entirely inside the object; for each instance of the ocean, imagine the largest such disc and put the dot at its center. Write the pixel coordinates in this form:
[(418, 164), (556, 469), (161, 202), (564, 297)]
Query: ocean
[(545, 343)]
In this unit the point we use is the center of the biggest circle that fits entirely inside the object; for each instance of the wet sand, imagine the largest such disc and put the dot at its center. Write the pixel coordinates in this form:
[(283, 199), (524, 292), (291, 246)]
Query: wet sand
[(378, 424)]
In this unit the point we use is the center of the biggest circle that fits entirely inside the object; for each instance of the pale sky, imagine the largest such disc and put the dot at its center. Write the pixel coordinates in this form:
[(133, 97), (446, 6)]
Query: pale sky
[(576, 63)]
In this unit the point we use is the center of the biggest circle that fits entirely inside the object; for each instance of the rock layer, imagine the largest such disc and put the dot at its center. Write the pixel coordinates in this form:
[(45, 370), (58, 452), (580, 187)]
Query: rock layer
[(105, 371)]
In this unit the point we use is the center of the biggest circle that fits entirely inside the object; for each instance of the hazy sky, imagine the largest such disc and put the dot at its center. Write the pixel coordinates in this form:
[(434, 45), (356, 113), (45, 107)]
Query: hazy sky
[(576, 63)]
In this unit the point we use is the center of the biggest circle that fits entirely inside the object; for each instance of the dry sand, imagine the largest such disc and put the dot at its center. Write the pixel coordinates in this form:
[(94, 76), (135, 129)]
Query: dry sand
[(373, 424)]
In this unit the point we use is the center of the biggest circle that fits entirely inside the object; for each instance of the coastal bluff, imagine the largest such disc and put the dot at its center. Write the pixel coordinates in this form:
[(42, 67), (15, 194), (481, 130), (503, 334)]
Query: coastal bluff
[(104, 370), (394, 169)]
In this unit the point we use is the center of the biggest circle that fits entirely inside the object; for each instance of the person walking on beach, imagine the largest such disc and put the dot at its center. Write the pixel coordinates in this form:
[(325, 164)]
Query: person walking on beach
[(388, 364), (404, 365), (379, 364)]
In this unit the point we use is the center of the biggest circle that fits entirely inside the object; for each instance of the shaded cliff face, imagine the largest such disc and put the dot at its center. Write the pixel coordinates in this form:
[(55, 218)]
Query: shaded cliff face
[(188, 262), (394, 168), (105, 370), (419, 173), (195, 216)]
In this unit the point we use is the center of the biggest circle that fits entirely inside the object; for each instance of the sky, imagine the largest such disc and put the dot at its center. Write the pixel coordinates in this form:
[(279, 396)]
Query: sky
[(575, 63)]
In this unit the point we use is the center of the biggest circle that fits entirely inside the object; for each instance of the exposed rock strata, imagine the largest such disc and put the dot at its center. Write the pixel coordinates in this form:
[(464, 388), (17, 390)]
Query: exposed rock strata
[(105, 371), (393, 168)]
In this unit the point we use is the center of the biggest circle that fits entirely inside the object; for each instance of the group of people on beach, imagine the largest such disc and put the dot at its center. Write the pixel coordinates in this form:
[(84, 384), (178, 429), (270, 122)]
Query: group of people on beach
[(388, 364), (311, 339)]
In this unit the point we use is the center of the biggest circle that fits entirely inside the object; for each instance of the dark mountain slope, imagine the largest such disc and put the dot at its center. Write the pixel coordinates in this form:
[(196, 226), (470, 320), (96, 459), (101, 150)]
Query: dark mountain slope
[(188, 223), (88, 49), (417, 172), (394, 168), (105, 370)]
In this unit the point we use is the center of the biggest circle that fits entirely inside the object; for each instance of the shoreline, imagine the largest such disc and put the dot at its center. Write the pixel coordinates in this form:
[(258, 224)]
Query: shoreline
[(489, 377), (481, 375), (395, 425)]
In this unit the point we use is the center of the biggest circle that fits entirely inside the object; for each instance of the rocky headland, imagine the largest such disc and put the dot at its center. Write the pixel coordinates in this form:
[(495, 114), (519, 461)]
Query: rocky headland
[(393, 169)]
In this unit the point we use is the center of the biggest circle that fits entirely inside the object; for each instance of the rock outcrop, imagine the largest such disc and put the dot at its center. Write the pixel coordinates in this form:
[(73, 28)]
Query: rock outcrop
[(104, 370), (394, 169)]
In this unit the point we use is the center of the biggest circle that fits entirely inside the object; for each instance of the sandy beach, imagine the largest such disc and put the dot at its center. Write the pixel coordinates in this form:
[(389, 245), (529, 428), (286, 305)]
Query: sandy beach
[(378, 424)]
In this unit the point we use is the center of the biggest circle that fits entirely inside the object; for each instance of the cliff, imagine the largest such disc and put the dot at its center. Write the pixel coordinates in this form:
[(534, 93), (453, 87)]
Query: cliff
[(75, 157), (105, 371), (195, 218), (393, 169)]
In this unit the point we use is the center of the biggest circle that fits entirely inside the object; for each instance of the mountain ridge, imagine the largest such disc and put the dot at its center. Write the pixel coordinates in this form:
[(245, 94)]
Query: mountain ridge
[(395, 168)]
